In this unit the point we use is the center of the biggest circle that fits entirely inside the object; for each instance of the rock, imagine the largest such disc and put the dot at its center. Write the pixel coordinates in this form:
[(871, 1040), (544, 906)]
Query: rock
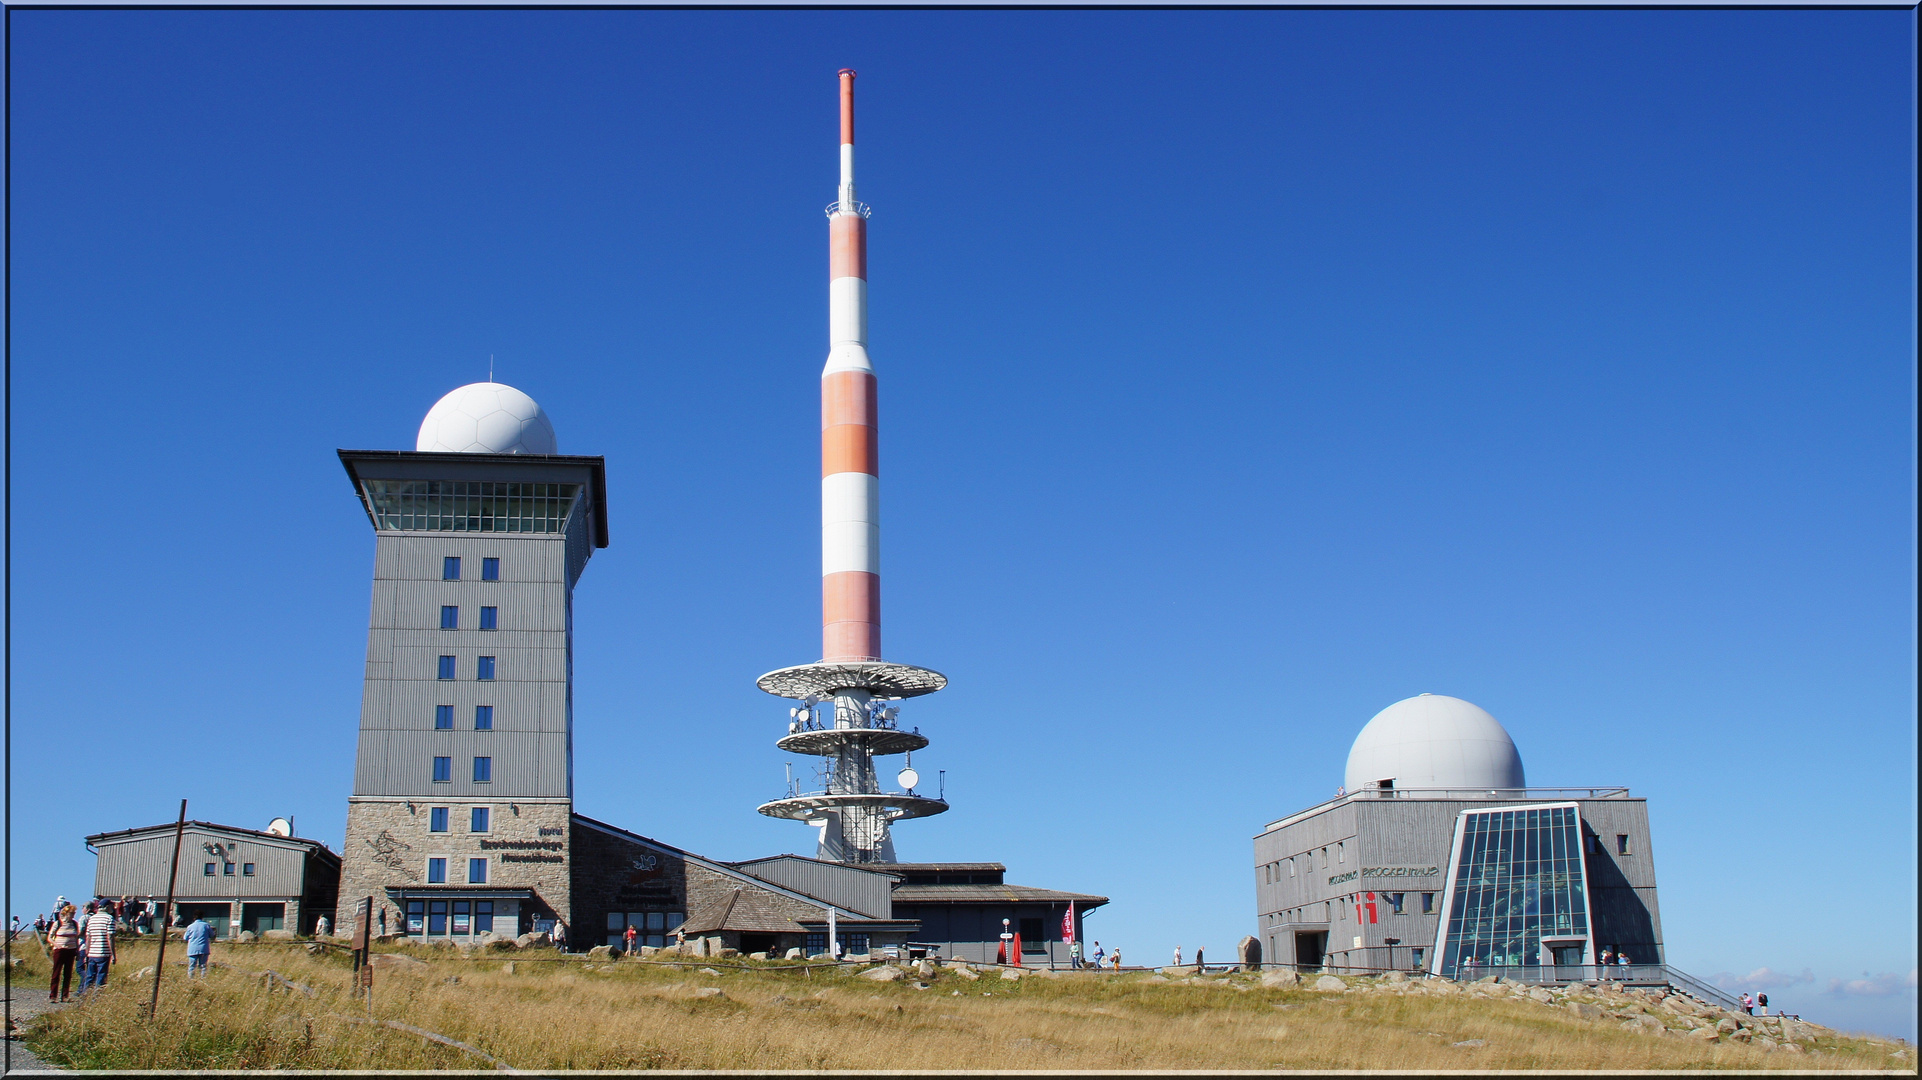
[(1764, 1044), (965, 972), (1726, 1027), (396, 962), (1471, 1042), (143, 973), (1741, 1035), (1644, 1025), (1273, 979), (315, 948), (1156, 979), (531, 940), (279, 935), (757, 956), (601, 952), (246, 935), (727, 952), (1541, 995), (1791, 1048), (1011, 974), (1329, 982), (1248, 951), (507, 968), (1681, 1005), (646, 951), (1704, 1034), (1584, 1010), (1796, 1029), (793, 954), (706, 971), (1395, 978), (924, 969), (1488, 980), (1043, 973), (884, 973), (710, 992)]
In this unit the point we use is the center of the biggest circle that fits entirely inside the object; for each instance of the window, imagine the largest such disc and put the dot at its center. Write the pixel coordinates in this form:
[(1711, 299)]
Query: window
[(443, 770), (446, 667), (1418, 954), (227, 869), (470, 505), (1517, 884), (1291, 868), (485, 670), (437, 871), (1341, 853), (209, 871), (437, 819), (483, 718), (246, 869), (1621, 844), (450, 568), (483, 770), (437, 909), (1427, 903), (1324, 858), (1594, 844), (416, 910), (477, 871), (483, 916), (478, 820), (1033, 936), (449, 617), (1394, 901), (443, 717), (490, 569), (490, 618)]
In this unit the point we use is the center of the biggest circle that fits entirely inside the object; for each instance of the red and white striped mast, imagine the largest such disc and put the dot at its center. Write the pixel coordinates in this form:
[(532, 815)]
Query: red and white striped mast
[(852, 812)]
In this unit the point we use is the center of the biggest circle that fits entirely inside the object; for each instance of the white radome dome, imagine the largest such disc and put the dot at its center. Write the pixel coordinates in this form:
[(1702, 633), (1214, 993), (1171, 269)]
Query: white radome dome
[(1434, 741), (486, 418)]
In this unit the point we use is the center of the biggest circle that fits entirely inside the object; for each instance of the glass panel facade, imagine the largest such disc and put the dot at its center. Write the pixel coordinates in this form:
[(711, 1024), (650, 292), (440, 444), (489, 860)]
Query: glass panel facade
[(470, 506), (1518, 879)]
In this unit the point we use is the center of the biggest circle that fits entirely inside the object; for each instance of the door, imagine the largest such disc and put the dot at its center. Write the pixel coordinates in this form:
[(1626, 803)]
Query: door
[(1309, 947), (258, 917)]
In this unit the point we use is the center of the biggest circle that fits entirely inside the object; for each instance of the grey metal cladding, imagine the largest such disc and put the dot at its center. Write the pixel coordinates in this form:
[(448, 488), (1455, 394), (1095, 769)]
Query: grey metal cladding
[(138, 866), (856, 890), (400, 763)]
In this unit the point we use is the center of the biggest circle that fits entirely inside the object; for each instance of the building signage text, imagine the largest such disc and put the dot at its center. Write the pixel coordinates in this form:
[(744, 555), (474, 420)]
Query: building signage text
[(1400, 871)]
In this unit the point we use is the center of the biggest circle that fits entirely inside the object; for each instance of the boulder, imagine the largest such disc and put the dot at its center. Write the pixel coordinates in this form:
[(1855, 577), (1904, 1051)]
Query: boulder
[(965, 972), (884, 973), (1791, 1048), (1584, 1010), (793, 954), (1329, 982), (1011, 974), (246, 935), (727, 952), (1541, 995), (706, 971), (757, 956), (601, 952), (1704, 1034), (394, 961), (1727, 1027), (507, 968), (710, 992), (1644, 1025), (1395, 978), (924, 969), (1043, 973), (531, 940), (1273, 979), (1741, 1035), (1248, 951), (1796, 1029), (279, 935)]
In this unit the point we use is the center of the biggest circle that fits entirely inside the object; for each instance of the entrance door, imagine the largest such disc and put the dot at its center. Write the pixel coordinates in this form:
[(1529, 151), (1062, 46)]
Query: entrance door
[(258, 917), (1309, 947), (216, 915)]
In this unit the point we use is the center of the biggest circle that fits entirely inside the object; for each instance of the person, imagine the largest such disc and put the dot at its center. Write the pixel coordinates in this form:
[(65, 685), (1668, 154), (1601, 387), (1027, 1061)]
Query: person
[(63, 941), (1621, 958), (40, 924), (322, 925), (1117, 959), (628, 938), (1098, 955), (1074, 954), (1762, 1001), (98, 931), (1608, 956), (560, 935), (13, 928), (1177, 956), (1748, 1003), (200, 946)]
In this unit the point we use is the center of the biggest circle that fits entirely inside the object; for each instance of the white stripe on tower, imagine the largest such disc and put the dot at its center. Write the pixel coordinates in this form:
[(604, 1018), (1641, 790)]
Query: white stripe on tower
[(850, 469)]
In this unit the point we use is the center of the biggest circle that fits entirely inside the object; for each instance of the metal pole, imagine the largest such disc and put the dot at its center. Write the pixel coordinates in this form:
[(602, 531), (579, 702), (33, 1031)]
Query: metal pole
[(167, 913)]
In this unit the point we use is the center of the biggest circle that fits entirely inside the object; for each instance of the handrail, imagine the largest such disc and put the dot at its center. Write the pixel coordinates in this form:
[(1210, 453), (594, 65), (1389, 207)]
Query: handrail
[(1531, 794)]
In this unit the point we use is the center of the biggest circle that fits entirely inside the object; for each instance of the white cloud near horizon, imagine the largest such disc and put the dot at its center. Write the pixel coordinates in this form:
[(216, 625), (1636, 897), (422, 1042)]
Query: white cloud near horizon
[(1882, 984)]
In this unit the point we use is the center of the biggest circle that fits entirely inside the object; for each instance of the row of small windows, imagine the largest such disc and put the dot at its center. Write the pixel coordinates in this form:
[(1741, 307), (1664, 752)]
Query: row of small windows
[(450, 569), (483, 718), (1332, 911), (490, 617), (227, 869), (1272, 872), (444, 770), (483, 668), (476, 871), (479, 819)]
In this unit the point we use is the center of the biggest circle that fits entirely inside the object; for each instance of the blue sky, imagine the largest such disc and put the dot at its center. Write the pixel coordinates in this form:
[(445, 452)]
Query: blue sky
[(1242, 373)]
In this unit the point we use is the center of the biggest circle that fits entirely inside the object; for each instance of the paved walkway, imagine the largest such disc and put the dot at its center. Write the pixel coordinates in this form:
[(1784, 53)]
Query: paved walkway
[(25, 1003)]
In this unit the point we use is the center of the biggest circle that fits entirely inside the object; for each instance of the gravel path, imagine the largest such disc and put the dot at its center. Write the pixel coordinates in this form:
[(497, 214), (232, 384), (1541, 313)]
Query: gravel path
[(25, 1003)]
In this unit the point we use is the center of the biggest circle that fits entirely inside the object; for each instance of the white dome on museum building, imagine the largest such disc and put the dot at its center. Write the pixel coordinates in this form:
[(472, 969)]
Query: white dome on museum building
[(486, 418), (1434, 741)]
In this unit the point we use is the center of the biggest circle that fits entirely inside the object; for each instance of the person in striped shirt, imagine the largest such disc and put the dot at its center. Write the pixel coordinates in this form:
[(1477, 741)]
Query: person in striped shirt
[(97, 952)]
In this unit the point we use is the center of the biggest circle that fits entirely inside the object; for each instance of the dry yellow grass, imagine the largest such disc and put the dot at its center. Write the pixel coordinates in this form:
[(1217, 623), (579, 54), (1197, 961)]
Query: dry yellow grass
[(548, 1013)]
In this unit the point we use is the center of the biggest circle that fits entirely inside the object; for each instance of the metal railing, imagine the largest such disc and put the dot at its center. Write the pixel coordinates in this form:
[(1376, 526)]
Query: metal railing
[(1532, 794)]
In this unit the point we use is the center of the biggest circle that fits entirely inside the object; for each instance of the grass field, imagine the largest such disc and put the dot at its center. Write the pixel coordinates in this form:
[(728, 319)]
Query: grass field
[(533, 1010)]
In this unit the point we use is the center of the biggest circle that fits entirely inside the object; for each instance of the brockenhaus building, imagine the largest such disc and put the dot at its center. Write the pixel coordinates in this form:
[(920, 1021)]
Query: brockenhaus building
[(1436, 855)]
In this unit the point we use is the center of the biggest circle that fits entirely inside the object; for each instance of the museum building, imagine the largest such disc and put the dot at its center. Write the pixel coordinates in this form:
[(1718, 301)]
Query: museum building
[(1436, 855)]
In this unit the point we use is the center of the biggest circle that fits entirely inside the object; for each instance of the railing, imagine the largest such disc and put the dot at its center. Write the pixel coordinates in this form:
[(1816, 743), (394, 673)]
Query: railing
[(1560, 794)]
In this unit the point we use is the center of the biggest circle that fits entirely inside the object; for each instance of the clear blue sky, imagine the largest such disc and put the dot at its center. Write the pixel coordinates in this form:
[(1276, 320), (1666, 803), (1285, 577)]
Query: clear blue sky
[(1242, 373)]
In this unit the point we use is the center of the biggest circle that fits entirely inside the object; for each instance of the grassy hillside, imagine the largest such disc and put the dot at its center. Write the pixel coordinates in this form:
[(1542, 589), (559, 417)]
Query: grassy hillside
[(533, 1009)]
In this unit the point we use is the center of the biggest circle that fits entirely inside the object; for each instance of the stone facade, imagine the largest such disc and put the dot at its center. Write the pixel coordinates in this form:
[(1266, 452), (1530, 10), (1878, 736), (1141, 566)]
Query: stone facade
[(528, 846)]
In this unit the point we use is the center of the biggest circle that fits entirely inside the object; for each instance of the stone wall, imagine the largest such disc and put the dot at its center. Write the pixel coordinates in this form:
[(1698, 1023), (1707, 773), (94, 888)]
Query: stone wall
[(528, 847)]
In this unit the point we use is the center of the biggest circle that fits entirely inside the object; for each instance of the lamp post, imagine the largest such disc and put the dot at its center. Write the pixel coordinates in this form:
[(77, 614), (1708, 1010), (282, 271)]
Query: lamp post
[(1007, 942), (1392, 942)]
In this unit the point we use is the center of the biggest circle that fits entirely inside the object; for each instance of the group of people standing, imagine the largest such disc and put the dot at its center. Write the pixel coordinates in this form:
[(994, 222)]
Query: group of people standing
[(85, 939)]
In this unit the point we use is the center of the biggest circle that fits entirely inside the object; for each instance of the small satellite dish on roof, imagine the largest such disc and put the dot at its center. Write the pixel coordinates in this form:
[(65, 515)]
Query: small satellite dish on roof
[(280, 826), (908, 778)]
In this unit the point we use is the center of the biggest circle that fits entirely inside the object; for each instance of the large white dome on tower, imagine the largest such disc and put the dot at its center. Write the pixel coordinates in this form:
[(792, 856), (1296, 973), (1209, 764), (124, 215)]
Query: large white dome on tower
[(486, 418), (1434, 741)]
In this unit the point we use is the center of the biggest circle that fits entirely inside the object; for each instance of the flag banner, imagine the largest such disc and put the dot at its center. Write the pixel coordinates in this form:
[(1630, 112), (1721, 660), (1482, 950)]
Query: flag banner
[(1067, 926)]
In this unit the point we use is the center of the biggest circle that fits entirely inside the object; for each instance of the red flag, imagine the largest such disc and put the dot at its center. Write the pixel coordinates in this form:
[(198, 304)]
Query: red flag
[(1001, 953), (1067, 925), (1016, 961)]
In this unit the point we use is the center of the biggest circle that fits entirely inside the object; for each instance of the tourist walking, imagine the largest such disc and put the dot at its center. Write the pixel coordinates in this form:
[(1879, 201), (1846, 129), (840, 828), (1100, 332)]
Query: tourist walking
[(63, 941), (560, 935), (629, 937), (1762, 1002), (1097, 955), (1117, 959), (322, 926), (1177, 956), (200, 946), (98, 932), (1748, 1003)]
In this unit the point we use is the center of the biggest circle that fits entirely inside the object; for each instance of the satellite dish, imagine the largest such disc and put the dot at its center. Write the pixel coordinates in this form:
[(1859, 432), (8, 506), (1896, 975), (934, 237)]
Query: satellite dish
[(280, 826), (908, 778)]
